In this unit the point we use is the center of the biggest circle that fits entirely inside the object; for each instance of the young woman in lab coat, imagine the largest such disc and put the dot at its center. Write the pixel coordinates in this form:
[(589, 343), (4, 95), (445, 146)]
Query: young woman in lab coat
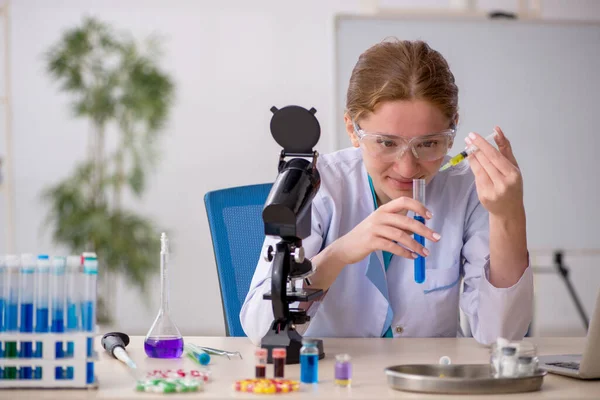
[(401, 114)]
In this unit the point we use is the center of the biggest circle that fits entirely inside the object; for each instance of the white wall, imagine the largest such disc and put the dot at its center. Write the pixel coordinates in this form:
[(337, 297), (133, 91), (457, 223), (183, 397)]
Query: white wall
[(231, 63), (232, 60), (513, 76)]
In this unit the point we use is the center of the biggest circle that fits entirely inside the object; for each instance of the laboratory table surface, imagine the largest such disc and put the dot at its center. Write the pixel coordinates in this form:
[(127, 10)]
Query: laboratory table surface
[(369, 359)]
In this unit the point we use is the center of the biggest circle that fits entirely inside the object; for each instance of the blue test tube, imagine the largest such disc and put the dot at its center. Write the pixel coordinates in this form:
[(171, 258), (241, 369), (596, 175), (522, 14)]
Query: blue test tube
[(2, 301), (26, 322), (73, 295), (90, 274), (41, 304), (2, 306), (419, 195), (73, 282), (57, 293), (11, 324)]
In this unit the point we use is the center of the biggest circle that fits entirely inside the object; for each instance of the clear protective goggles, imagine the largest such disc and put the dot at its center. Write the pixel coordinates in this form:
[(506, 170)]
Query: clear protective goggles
[(388, 148)]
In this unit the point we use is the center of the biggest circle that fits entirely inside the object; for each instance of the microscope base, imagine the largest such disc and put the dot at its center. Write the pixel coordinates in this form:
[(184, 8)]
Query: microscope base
[(291, 340)]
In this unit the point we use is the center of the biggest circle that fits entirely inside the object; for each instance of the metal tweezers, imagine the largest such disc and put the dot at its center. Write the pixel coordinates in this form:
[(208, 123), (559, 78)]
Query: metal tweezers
[(218, 352)]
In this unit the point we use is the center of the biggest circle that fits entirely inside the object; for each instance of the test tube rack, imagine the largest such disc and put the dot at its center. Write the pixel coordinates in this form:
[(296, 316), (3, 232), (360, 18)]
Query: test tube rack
[(77, 368)]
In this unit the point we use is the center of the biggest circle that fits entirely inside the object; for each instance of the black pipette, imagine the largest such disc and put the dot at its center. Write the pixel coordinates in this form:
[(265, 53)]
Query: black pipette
[(114, 343)]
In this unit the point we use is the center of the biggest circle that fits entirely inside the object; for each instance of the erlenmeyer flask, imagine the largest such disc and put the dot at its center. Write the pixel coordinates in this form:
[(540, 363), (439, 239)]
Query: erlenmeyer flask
[(163, 339)]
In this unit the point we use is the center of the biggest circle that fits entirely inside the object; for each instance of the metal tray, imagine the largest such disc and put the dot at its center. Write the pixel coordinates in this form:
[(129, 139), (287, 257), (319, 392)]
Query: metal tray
[(458, 379)]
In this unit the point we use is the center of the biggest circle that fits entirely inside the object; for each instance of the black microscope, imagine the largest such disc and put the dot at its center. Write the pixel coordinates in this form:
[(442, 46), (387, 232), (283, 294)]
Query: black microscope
[(287, 215)]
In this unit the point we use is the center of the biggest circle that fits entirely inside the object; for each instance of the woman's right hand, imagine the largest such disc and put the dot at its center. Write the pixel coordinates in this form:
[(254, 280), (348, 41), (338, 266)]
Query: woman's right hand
[(387, 229)]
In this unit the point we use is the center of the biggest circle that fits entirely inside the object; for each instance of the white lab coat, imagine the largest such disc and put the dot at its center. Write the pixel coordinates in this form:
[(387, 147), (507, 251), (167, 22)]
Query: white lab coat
[(364, 296)]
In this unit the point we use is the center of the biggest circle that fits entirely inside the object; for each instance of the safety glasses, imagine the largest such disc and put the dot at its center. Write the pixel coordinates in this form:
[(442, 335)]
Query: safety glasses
[(389, 148)]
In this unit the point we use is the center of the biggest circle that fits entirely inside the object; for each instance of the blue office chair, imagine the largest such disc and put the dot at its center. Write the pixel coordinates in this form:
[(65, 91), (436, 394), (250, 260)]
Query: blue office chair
[(237, 230)]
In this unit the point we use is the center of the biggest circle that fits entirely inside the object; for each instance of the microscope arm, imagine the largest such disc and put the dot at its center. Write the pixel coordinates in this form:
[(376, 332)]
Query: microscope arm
[(280, 271)]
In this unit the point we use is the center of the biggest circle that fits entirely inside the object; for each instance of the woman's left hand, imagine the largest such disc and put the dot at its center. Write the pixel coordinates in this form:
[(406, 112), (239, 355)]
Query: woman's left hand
[(497, 176)]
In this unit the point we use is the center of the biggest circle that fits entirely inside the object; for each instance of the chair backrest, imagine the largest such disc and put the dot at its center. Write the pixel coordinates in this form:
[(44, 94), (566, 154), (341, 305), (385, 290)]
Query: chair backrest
[(237, 230)]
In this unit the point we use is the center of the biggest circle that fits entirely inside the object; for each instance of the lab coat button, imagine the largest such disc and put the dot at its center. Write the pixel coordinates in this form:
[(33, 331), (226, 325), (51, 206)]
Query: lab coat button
[(399, 329)]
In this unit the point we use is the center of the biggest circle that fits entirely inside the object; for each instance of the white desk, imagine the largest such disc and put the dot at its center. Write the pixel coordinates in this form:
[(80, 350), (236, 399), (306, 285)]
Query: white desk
[(369, 358)]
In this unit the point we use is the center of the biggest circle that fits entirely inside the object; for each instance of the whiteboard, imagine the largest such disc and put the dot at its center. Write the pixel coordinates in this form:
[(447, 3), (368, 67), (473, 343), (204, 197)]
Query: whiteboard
[(539, 81)]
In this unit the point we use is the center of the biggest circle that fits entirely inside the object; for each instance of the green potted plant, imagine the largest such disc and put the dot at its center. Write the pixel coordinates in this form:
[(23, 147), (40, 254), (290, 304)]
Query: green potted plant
[(117, 85)]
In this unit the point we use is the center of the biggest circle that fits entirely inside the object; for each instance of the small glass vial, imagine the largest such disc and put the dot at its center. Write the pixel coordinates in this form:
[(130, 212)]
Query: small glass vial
[(496, 354), (261, 363), (508, 362), (525, 366), (445, 360), (343, 370), (309, 361), (279, 362)]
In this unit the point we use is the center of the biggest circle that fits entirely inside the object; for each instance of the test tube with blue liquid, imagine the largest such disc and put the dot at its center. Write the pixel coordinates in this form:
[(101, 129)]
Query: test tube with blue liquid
[(163, 339), (42, 320), (2, 307), (2, 302), (57, 293), (11, 318), (73, 323), (73, 296), (26, 323), (90, 274), (419, 195)]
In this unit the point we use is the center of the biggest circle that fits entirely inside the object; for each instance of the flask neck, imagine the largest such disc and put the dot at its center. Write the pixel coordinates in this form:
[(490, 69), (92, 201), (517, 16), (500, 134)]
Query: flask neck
[(164, 283)]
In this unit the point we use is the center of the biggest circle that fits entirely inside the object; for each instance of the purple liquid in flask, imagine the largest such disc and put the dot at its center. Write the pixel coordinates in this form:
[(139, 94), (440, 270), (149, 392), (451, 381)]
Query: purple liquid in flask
[(164, 347), (163, 339)]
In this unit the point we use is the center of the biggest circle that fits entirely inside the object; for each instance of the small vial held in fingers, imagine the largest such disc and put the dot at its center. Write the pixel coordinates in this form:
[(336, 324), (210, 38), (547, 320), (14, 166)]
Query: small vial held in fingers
[(459, 158), (419, 195)]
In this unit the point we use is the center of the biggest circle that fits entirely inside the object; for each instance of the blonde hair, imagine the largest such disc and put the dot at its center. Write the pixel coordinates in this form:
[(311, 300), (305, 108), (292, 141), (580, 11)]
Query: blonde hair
[(401, 70)]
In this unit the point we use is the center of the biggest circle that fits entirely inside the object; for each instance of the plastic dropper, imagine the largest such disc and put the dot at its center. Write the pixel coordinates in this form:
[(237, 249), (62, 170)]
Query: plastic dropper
[(457, 159), (114, 343)]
